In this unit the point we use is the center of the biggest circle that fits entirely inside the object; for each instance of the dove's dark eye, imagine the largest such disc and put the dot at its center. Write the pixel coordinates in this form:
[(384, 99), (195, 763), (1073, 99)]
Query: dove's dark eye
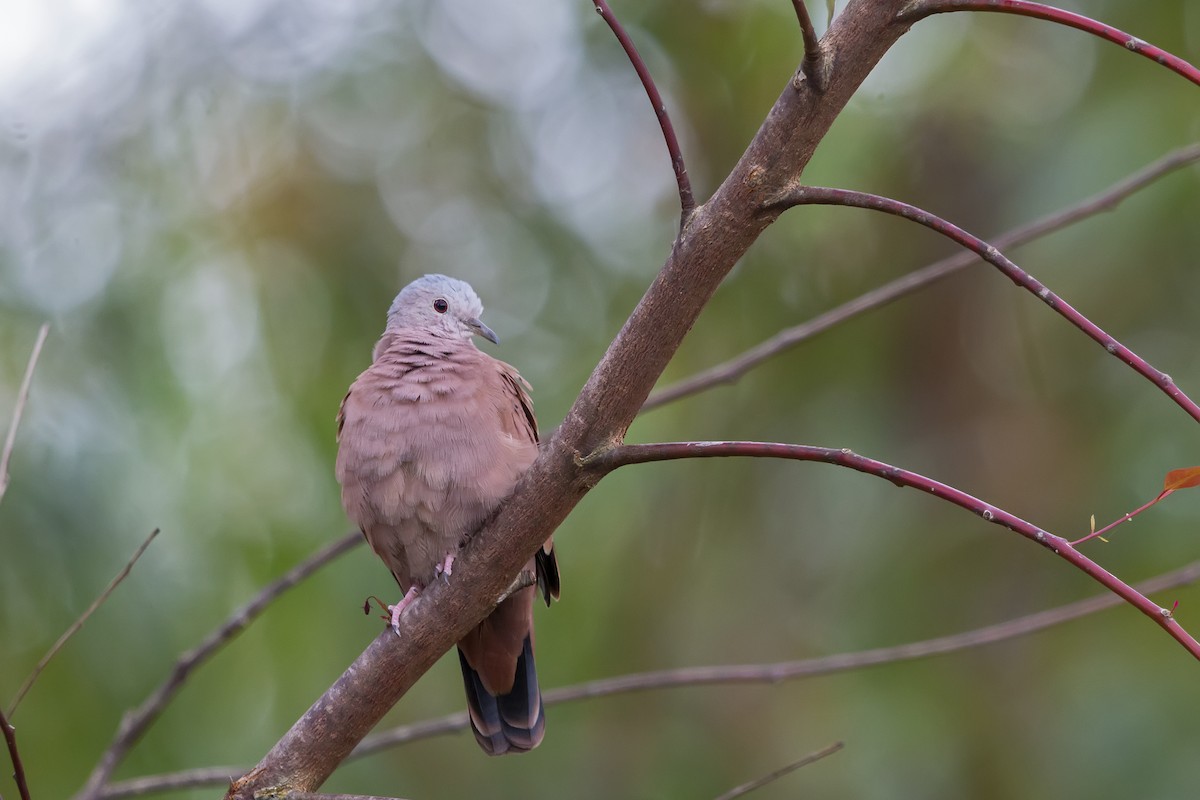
[(440, 306)]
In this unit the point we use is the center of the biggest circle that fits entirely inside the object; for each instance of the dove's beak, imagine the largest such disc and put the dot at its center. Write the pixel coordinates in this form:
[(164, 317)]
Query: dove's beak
[(483, 330)]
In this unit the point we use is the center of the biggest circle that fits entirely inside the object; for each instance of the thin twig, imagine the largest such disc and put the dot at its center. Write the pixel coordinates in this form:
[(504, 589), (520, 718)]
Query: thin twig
[(1124, 518), (808, 195), (10, 738), (923, 8), (613, 457), (771, 777), (706, 676), (135, 722), (19, 406), (77, 624), (171, 781), (845, 662), (429, 728), (813, 67), (318, 796), (729, 371), (687, 201), (524, 579)]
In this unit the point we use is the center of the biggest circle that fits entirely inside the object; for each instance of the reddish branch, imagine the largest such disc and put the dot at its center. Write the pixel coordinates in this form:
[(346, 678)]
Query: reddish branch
[(622, 455), (731, 370), (1100, 533), (687, 200), (810, 195), (919, 9)]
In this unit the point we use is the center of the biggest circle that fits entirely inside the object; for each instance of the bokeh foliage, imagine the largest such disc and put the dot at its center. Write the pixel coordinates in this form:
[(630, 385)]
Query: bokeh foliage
[(213, 203)]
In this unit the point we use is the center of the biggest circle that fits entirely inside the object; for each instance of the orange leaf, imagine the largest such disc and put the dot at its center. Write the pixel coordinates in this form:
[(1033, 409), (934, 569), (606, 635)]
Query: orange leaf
[(1184, 478)]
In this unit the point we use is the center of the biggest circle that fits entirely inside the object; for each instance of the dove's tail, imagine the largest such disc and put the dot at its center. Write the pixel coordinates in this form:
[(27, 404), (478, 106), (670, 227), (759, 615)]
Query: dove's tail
[(506, 723)]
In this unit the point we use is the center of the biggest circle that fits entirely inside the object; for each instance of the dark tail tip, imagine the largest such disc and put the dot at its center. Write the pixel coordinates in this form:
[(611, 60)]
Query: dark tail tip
[(507, 723)]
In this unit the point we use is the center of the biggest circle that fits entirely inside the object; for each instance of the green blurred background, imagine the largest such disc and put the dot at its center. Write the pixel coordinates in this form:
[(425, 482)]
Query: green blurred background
[(213, 203)]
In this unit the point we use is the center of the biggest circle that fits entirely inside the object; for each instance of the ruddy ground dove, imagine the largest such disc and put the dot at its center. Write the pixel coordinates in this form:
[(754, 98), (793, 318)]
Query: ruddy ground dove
[(432, 437)]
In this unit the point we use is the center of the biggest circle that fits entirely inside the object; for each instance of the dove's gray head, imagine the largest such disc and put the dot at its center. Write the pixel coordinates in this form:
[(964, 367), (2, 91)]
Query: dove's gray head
[(446, 306)]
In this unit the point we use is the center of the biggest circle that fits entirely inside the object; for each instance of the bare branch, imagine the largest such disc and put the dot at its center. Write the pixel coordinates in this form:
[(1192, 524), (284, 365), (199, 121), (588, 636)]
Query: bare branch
[(10, 738), (430, 728), (845, 662), (731, 370), (186, 779), (919, 9), (771, 777), (707, 676), (815, 64), (316, 796), (806, 195), (19, 407), (621, 455), (687, 201), (135, 722), (75, 626)]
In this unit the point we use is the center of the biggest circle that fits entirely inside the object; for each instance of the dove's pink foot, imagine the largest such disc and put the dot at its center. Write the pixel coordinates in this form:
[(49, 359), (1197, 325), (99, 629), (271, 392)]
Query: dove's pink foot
[(446, 567), (404, 603)]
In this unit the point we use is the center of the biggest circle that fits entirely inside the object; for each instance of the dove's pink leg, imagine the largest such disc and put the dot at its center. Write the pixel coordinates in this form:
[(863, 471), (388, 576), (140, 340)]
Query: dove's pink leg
[(446, 567), (404, 603)]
